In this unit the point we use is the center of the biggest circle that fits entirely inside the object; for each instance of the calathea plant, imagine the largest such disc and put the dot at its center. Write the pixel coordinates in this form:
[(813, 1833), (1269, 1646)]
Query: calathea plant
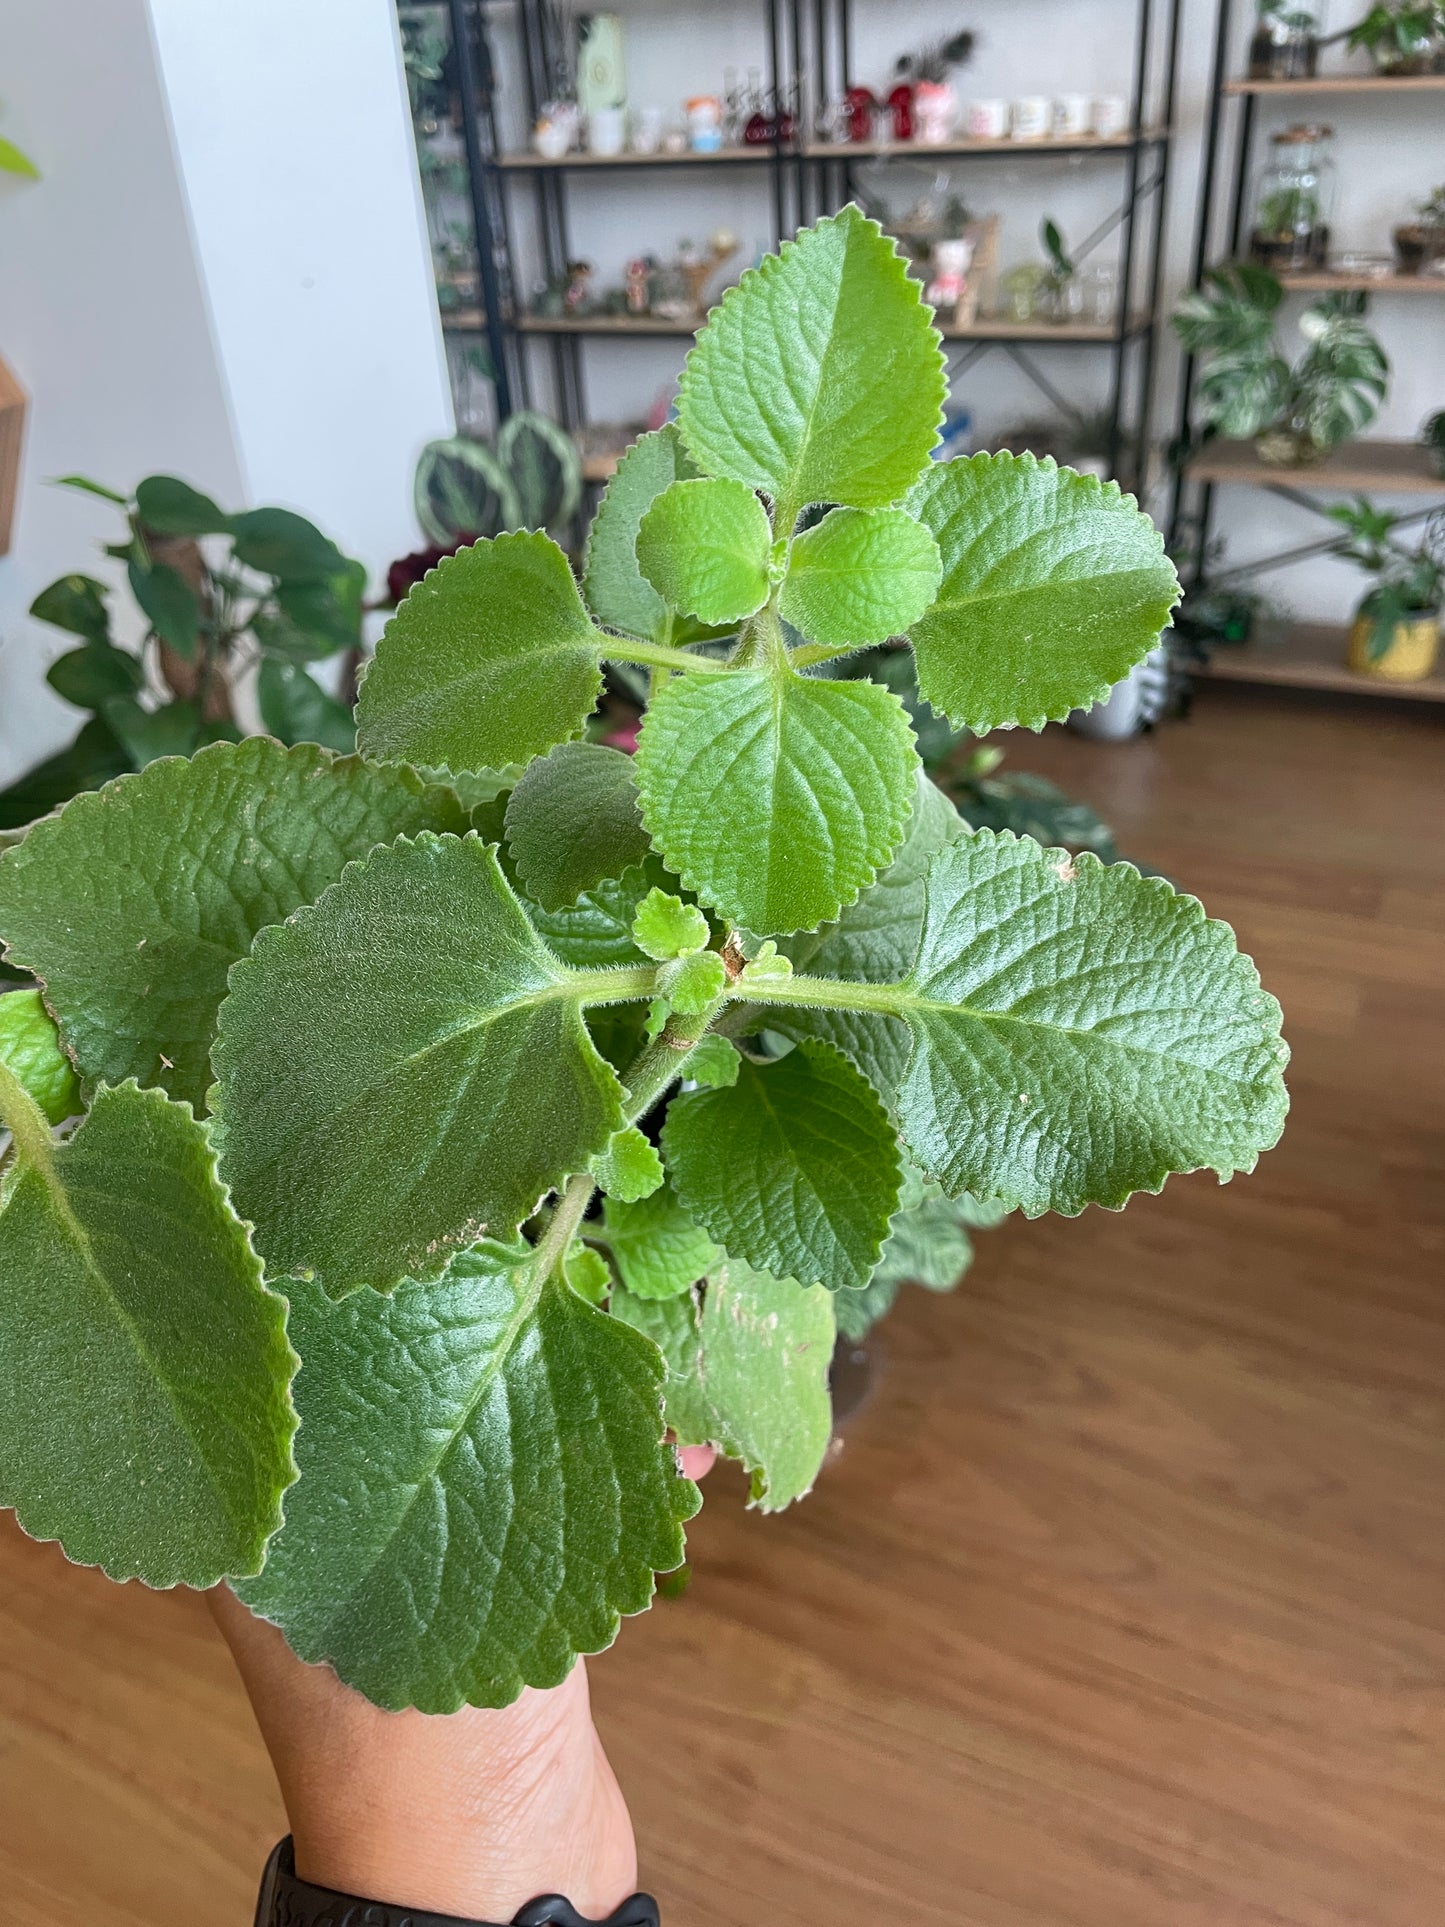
[(537, 1137)]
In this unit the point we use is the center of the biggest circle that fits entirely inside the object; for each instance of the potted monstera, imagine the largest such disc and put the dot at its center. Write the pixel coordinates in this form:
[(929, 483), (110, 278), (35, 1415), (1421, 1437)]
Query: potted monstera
[(507, 1110)]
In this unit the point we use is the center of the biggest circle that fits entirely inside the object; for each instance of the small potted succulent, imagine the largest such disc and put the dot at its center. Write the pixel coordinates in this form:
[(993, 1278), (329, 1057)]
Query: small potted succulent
[(1286, 42), (1295, 413), (1420, 244), (1402, 36), (1432, 439), (1396, 631)]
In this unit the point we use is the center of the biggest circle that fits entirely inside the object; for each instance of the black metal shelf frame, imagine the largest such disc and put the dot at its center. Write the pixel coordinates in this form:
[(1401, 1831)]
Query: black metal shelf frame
[(809, 59)]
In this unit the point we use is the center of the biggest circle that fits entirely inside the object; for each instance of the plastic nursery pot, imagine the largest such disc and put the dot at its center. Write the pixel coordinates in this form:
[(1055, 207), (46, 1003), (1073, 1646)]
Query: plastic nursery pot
[(1409, 656)]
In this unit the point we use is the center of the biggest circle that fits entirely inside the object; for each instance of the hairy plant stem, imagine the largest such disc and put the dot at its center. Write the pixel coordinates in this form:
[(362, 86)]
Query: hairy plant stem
[(562, 1227), (659, 1064), (659, 655)]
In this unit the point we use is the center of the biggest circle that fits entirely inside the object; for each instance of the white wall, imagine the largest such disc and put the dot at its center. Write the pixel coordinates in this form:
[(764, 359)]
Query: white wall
[(223, 274)]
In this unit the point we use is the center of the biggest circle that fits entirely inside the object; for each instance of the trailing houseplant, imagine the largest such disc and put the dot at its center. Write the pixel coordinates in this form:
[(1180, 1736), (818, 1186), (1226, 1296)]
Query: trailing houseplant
[(1396, 630), (217, 594), (1295, 412), (531, 1134), (1421, 243), (1401, 36)]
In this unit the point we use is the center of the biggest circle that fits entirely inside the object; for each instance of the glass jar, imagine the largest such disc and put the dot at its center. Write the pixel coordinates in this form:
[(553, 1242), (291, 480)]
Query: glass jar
[(1286, 41), (1293, 202)]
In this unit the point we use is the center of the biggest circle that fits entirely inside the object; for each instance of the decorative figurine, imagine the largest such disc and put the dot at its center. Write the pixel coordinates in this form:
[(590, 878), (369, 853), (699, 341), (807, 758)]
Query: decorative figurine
[(704, 124), (557, 128), (935, 103), (862, 107), (951, 263), (900, 106), (579, 281), (635, 279)]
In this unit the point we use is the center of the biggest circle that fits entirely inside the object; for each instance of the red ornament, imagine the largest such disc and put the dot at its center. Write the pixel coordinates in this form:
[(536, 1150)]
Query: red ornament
[(862, 106), (900, 105)]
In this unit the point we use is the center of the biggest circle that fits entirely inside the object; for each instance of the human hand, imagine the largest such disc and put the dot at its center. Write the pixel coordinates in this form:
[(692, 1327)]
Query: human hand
[(472, 1813)]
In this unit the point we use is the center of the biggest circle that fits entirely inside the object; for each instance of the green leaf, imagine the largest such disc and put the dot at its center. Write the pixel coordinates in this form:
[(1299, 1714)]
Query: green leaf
[(403, 1068), (484, 1489), (714, 1063), (629, 1168), (690, 984), (775, 797), (666, 927), (14, 160), (171, 507), (596, 930), (768, 965), (280, 543), (819, 377), (316, 617), (88, 676), (95, 755), (490, 660), (168, 604), (76, 603), (875, 941), (617, 592), (659, 1249), (748, 1372), (1054, 587), (295, 708), (572, 822), (1080, 1032), (928, 1244), (145, 1420), (794, 1169), (704, 546), (184, 863), (88, 487), (860, 576), (30, 1051), (172, 730), (588, 1274)]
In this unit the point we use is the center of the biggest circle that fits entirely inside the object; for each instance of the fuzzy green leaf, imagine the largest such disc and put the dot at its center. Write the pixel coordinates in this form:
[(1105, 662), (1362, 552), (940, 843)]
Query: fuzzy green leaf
[(629, 1168), (928, 1244), (588, 1274), (572, 821), (1054, 586), (1079, 1032), (182, 864), (596, 930), (402, 1069), (748, 1372), (875, 941), (860, 576), (714, 1063), (617, 591), (819, 378), (658, 1248), (775, 797), (30, 1050), (484, 1489), (490, 660), (690, 984), (145, 1420), (704, 547), (795, 1168), (665, 927)]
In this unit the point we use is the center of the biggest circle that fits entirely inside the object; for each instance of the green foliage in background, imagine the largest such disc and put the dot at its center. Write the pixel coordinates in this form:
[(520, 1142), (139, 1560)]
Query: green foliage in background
[(569, 1132)]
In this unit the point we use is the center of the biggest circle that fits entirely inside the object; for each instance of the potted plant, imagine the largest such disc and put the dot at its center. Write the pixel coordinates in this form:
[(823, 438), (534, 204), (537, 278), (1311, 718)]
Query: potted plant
[(1421, 242), (1396, 631), (1285, 44), (933, 108), (1295, 413), (1432, 438), (1401, 36), (542, 1133), (217, 593), (1062, 293)]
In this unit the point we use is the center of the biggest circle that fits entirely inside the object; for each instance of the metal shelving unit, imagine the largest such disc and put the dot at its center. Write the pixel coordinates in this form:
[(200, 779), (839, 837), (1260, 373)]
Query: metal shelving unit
[(1311, 656), (809, 51)]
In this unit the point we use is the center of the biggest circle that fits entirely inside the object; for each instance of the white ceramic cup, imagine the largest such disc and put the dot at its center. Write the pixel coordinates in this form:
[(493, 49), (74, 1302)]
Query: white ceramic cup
[(607, 130), (1071, 116), (1111, 116), (1029, 118), (648, 124), (987, 120)]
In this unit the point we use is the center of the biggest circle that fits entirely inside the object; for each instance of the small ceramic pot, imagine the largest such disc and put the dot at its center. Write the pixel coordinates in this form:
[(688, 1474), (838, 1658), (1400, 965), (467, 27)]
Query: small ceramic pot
[(607, 130), (1029, 117), (1072, 114), (1110, 116), (1409, 656), (987, 120)]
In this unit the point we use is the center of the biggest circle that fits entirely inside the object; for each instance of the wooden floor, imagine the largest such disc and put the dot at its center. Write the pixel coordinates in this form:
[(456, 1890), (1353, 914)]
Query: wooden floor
[(1123, 1603)]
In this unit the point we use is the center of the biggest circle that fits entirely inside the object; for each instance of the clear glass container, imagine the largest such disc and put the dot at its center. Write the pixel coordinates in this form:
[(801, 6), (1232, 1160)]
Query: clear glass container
[(1294, 201), (1286, 41)]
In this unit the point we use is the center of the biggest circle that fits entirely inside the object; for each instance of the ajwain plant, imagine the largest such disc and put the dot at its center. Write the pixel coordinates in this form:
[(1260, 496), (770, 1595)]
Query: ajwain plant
[(539, 1103)]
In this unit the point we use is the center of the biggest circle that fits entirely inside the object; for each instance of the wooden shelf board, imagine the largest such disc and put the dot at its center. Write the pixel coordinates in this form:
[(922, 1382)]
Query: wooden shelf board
[(1330, 282), (1310, 655), (1343, 84), (1394, 468), (602, 324), (990, 328), (915, 150), (725, 156)]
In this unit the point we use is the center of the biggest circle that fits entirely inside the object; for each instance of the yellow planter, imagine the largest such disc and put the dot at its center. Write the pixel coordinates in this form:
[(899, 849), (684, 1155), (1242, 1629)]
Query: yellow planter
[(1410, 657)]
